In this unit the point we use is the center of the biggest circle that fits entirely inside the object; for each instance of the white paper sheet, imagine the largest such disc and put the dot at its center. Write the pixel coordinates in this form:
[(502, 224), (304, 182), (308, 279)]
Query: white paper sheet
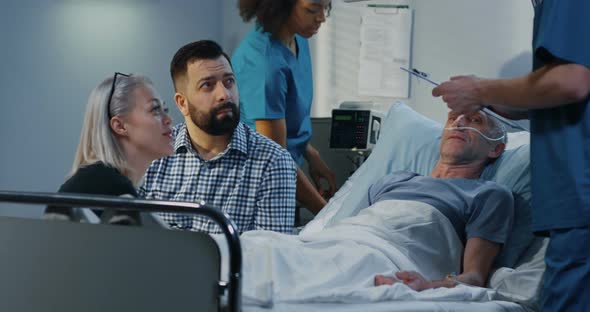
[(385, 46)]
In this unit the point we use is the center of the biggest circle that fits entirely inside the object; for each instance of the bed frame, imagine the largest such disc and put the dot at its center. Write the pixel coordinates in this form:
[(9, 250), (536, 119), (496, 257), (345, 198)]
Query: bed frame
[(68, 266)]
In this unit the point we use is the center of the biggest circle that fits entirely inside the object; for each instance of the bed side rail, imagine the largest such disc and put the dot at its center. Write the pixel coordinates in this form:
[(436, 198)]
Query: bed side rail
[(227, 226)]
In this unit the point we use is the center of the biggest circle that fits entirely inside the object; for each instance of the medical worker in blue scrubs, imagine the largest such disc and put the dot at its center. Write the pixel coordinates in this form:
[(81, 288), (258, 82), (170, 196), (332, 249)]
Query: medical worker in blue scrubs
[(555, 97), (273, 69)]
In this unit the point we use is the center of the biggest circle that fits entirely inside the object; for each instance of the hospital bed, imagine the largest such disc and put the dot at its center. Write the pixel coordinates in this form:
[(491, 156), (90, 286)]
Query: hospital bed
[(410, 141), (70, 266)]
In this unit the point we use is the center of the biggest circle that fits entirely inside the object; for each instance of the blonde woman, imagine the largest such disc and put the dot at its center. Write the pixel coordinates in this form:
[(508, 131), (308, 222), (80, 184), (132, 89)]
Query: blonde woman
[(126, 127)]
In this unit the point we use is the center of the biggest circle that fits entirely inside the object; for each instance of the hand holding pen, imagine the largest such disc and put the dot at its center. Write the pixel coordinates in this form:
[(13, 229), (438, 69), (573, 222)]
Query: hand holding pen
[(460, 94), (453, 92), (419, 74)]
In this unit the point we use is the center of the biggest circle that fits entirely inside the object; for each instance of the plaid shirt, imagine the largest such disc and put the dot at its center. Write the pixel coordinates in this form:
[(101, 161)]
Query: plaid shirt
[(252, 181)]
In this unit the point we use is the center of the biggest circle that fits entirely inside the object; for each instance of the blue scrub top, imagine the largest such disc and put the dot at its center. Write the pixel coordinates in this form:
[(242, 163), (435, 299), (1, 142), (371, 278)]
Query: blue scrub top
[(560, 144), (275, 84)]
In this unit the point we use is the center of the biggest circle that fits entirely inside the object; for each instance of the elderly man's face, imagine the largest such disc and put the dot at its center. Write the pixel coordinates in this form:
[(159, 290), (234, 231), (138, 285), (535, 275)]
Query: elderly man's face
[(463, 145)]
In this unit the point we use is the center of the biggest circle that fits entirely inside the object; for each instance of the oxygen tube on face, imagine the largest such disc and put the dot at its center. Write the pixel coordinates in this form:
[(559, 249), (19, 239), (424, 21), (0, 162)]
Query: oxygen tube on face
[(478, 131)]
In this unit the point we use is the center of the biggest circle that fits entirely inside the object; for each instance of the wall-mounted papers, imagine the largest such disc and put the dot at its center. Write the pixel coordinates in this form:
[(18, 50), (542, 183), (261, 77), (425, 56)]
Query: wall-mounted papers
[(386, 32)]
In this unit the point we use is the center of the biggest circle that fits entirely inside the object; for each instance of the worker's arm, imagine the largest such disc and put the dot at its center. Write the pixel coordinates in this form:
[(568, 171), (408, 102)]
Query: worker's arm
[(306, 194), (552, 85)]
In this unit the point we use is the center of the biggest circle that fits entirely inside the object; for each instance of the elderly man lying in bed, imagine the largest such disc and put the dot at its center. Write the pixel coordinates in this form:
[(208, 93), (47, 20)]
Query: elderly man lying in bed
[(480, 211), (450, 221)]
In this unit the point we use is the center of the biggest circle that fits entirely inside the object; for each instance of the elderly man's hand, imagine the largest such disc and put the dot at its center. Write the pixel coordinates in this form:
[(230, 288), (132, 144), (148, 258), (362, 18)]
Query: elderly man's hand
[(461, 94), (412, 279)]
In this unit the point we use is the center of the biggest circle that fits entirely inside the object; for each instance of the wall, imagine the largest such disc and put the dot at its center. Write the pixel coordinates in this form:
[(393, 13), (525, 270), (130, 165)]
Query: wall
[(55, 52), (485, 38), (234, 27)]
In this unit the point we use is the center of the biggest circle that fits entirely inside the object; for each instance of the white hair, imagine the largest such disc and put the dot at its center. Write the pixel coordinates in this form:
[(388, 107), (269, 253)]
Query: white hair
[(497, 129), (97, 140)]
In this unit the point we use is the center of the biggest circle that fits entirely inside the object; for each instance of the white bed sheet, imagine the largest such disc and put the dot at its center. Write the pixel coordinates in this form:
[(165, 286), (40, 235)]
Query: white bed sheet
[(395, 306), (339, 263), (290, 273), (519, 283)]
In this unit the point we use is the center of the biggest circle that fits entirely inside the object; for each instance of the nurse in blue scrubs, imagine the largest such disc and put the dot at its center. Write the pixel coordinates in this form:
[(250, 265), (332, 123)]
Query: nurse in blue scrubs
[(273, 70), (556, 99)]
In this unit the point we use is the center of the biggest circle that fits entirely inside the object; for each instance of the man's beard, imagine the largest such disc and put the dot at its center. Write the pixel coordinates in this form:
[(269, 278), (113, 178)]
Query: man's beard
[(211, 124)]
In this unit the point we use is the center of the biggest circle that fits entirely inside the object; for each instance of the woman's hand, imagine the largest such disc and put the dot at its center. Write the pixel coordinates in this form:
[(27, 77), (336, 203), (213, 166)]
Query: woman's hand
[(318, 171)]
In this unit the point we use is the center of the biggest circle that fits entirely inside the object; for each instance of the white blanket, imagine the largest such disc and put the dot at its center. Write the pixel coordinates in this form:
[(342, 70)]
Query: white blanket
[(339, 263)]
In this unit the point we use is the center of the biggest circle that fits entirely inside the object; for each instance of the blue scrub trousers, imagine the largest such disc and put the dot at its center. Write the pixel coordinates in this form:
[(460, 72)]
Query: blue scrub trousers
[(566, 286)]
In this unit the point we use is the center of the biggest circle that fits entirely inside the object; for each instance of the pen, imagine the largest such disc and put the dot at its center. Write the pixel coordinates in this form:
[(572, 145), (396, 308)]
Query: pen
[(486, 110), (418, 74), (393, 6)]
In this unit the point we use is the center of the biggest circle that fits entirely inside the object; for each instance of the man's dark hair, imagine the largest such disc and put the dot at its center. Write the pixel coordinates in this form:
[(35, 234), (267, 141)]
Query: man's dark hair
[(270, 14), (198, 50)]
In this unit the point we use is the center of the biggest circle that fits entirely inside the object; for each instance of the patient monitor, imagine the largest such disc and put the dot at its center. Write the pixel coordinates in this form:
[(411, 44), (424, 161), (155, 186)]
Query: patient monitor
[(355, 126)]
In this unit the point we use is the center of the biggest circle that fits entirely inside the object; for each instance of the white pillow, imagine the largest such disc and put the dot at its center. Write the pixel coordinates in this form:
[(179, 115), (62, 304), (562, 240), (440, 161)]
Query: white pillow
[(393, 151), (410, 141)]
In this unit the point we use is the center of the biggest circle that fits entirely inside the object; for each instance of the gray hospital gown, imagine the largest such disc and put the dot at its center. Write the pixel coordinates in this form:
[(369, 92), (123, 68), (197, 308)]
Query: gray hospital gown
[(476, 208)]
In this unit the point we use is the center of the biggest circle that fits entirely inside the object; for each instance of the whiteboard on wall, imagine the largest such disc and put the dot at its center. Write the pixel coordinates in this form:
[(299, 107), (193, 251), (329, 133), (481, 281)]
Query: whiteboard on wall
[(385, 38), (337, 58)]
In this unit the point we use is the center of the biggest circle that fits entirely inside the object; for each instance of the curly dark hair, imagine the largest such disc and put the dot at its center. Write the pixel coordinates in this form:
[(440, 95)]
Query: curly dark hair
[(198, 50), (270, 14)]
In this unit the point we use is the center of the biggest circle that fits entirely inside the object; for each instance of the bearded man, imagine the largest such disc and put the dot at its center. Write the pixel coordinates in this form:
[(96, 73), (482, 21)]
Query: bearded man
[(219, 160)]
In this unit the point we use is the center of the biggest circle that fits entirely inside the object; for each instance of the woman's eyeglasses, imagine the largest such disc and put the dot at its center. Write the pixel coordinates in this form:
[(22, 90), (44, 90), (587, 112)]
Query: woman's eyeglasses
[(113, 91)]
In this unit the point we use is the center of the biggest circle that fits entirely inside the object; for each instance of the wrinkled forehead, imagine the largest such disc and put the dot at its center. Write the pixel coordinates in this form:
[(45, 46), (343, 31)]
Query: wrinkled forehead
[(324, 3), (200, 68), (480, 114)]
